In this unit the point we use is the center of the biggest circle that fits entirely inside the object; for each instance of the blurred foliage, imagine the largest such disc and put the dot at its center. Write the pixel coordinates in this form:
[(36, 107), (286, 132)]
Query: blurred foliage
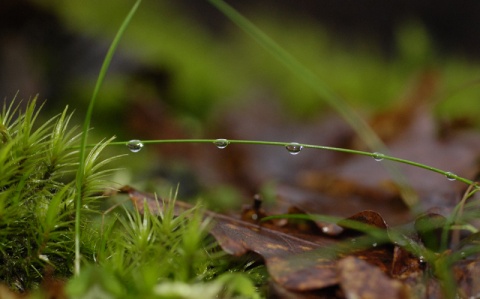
[(196, 73), (202, 69), (207, 68)]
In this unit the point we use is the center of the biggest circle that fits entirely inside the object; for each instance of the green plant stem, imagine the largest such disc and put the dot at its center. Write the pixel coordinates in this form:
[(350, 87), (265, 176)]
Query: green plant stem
[(86, 126), (454, 219), (321, 147)]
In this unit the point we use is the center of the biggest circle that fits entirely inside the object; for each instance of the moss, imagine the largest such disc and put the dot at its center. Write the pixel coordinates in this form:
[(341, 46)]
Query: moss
[(36, 196)]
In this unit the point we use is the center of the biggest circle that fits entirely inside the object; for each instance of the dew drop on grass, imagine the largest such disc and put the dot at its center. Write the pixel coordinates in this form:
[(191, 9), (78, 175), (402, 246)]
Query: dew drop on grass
[(221, 143), (451, 176), (293, 148), (378, 156), (134, 145)]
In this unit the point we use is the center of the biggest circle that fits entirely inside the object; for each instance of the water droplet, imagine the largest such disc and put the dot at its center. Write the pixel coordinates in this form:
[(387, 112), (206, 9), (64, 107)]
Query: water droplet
[(293, 148), (378, 156), (374, 244), (221, 143), (451, 176), (134, 145)]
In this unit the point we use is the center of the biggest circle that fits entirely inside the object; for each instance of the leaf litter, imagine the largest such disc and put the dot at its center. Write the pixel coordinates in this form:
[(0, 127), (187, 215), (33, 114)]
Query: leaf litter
[(314, 258)]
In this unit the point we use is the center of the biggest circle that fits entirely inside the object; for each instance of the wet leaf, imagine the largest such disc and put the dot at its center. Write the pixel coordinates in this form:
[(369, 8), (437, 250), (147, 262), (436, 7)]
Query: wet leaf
[(368, 217), (405, 264), (359, 279)]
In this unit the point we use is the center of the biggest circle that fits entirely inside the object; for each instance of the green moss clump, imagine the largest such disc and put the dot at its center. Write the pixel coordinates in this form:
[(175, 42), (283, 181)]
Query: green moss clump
[(37, 188)]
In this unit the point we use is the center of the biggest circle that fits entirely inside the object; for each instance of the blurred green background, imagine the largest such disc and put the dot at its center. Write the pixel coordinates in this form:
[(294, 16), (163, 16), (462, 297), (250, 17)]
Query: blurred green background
[(183, 69)]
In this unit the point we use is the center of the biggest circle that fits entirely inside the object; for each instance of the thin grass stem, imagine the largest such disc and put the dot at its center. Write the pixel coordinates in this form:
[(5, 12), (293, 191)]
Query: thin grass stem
[(86, 126), (375, 155)]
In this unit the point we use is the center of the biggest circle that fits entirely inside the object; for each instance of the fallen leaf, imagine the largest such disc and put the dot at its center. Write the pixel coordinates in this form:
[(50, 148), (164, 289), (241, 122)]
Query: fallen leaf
[(359, 279), (405, 264), (369, 217)]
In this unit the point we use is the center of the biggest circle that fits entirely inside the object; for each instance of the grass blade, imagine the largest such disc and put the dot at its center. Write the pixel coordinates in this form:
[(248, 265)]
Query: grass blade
[(86, 125)]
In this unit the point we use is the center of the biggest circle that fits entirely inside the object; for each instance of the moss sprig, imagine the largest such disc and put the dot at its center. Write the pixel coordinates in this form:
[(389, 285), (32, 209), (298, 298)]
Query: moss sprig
[(37, 191)]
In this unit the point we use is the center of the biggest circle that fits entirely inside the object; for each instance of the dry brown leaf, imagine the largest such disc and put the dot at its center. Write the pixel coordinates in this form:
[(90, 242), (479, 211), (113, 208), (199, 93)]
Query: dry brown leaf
[(359, 279), (405, 264)]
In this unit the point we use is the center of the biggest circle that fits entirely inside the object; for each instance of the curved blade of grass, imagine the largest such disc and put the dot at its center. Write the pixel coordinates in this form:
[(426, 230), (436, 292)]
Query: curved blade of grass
[(374, 155), (86, 125), (333, 99)]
